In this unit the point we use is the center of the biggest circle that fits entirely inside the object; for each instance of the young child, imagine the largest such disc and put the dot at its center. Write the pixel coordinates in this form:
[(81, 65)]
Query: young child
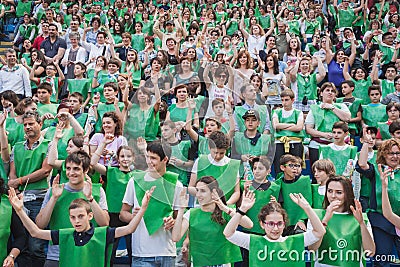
[(80, 84), (273, 219), (375, 111), (56, 82), (354, 105), (75, 101), (45, 108), (101, 78), (393, 113), (293, 182), (338, 151), (322, 170), (86, 253)]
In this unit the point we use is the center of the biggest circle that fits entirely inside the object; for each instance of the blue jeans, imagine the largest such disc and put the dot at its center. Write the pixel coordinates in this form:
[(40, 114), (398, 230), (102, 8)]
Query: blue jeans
[(35, 255), (160, 261)]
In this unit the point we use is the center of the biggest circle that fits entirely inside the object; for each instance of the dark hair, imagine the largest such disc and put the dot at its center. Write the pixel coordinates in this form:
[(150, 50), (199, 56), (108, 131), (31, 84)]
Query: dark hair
[(79, 158), (64, 105), (80, 203), (113, 85), (350, 83), (392, 104), (289, 158), (83, 66), (263, 160), (126, 148), (276, 64), (394, 126), (11, 96), (46, 86), (374, 87), (181, 86), (347, 191), (163, 150), (77, 95), (354, 70), (96, 18), (271, 208), (212, 184), (218, 140), (77, 141), (341, 125), (35, 115), (117, 121), (144, 91)]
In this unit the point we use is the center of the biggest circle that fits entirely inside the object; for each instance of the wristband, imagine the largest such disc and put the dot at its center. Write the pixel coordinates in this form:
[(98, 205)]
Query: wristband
[(20, 181), (94, 77), (240, 212), (324, 224), (91, 200), (11, 256)]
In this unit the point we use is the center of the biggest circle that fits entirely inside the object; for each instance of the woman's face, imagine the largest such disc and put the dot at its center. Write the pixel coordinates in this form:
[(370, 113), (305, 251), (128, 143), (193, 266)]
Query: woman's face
[(243, 60), (392, 158), (291, 15), (185, 64), (109, 125), (160, 55), (121, 82), (256, 82), (311, 14), (270, 62), (125, 158), (256, 30), (155, 65), (374, 26), (305, 66), (328, 95), (340, 57), (142, 97), (191, 53), (34, 56), (100, 62), (393, 114), (27, 44), (335, 191), (117, 27), (293, 44), (203, 194), (273, 225), (182, 94), (71, 148)]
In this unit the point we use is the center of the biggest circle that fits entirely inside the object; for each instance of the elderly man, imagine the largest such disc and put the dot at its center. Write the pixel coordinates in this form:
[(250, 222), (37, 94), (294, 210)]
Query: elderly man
[(14, 76)]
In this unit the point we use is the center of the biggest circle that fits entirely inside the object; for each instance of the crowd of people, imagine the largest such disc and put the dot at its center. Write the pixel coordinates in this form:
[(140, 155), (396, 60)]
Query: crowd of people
[(185, 127)]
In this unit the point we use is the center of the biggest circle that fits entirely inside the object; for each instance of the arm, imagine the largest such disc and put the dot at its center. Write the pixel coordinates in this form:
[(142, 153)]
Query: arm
[(329, 53), (35, 176), (53, 152), (242, 28), (346, 73), (32, 228), (236, 194), (5, 155), (206, 78), (363, 158), (386, 206), (321, 70), (156, 29), (181, 225), (101, 216), (94, 160), (293, 72), (78, 130), (367, 240), (353, 52), (188, 126)]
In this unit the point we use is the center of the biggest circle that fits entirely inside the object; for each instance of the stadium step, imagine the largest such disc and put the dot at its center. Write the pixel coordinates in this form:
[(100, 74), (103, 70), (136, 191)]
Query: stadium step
[(4, 46)]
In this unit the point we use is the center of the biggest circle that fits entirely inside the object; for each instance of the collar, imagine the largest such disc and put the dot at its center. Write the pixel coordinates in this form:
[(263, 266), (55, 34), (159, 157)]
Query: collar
[(89, 232), (8, 69), (34, 145)]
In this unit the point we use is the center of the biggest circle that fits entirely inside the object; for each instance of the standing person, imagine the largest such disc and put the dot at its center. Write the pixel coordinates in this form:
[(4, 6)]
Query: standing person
[(343, 218), (152, 241), (14, 76), (207, 244), (387, 158), (273, 218), (29, 166), (53, 213), (53, 47), (374, 112), (274, 81), (288, 123)]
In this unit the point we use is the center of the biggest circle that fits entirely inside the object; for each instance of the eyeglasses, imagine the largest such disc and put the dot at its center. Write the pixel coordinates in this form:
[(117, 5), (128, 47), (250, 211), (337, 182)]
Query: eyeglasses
[(291, 165), (271, 224), (394, 154)]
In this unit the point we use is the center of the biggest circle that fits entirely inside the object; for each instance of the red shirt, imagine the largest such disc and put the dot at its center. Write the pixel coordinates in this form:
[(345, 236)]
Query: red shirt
[(38, 41)]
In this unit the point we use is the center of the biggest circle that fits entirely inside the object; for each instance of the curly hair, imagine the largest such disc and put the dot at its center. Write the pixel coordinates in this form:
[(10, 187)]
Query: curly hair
[(384, 149), (271, 208)]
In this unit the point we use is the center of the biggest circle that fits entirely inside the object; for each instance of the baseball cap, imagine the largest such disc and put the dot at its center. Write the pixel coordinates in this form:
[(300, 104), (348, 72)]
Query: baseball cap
[(251, 113)]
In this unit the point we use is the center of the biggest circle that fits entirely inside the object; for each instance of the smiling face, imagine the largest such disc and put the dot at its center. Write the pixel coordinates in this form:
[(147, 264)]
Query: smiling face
[(75, 174), (203, 194), (125, 158), (109, 94), (154, 163), (392, 158), (273, 225), (109, 125)]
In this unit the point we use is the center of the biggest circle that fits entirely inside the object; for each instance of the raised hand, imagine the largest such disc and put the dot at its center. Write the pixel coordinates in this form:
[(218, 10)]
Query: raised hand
[(57, 188), (87, 187), (141, 144), (191, 103), (357, 212), (16, 201), (183, 199), (3, 118), (146, 198), (384, 176), (299, 200), (169, 223), (248, 200), (96, 98)]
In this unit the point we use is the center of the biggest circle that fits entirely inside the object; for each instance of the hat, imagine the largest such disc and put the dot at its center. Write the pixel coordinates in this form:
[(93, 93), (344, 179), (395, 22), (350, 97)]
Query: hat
[(170, 22), (251, 113)]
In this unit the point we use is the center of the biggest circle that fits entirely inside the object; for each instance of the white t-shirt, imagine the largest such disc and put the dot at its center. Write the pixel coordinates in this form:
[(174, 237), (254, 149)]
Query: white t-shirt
[(215, 92), (158, 244)]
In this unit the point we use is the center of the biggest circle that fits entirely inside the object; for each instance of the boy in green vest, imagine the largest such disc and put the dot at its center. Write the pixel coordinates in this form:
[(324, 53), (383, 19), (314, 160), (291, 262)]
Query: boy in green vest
[(322, 170), (182, 153), (375, 111), (354, 105), (80, 84), (56, 82), (45, 108), (393, 114), (338, 152), (75, 102), (53, 213), (99, 109), (288, 123), (218, 165), (293, 182), (83, 245)]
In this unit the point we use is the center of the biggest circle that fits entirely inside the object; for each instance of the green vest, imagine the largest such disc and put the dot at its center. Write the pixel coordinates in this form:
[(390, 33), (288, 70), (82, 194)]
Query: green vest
[(387, 88), (311, 26), (291, 119), (294, 27), (63, 174), (116, 185), (240, 111), (374, 113), (178, 114), (292, 250), (346, 17), (338, 157), (95, 253), (60, 215), (303, 186), (142, 123), (262, 198), (82, 119), (102, 78), (203, 146), (317, 199), (361, 89), (138, 42), (3, 173), (365, 190), (225, 175), (343, 234), (15, 131), (63, 142), (324, 118), (393, 191), (5, 222), (354, 107), (54, 83), (233, 27), (160, 205), (47, 108), (102, 108), (22, 8), (180, 151), (28, 161), (306, 86), (387, 56), (82, 86), (208, 245), (384, 130)]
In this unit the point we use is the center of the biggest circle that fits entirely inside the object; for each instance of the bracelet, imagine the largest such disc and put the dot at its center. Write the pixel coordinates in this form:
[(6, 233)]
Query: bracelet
[(240, 212), (95, 105), (324, 224), (20, 181), (91, 200), (11, 256), (94, 77)]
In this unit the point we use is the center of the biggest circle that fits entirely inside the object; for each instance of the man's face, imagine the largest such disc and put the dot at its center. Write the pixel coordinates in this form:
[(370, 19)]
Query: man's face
[(43, 95), (109, 94), (11, 58), (74, 25), (49, 15), (80, 219), (170, 44), (52, 31), (126, 41), (217, 153), (287, 102), (51, 71), (281, 27), (388, 39), (32, 127), (78, 71), (75, 173), (154, 163), (74, 104), (390, 74), (100, 39), (112, 68), (167, 132)]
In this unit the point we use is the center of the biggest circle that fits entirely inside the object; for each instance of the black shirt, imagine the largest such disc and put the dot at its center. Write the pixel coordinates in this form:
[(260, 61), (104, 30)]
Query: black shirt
[(83, 238)]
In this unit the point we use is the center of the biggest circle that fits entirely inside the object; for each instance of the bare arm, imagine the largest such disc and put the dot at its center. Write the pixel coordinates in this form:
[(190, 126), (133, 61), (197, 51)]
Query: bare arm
[(321, 70)]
